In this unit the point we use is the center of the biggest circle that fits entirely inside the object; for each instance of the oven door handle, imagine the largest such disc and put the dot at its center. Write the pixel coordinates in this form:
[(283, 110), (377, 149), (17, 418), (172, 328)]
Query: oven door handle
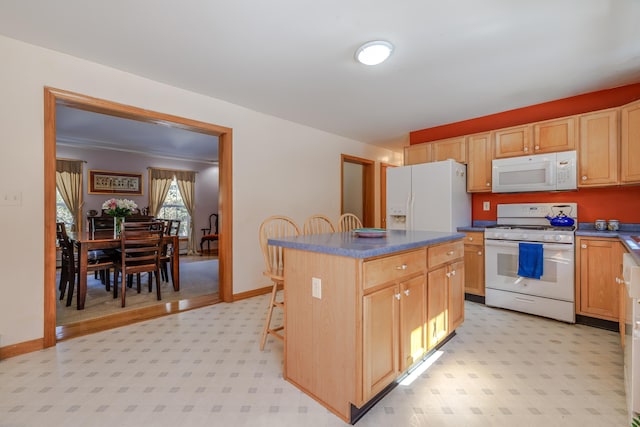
[(508, 244)]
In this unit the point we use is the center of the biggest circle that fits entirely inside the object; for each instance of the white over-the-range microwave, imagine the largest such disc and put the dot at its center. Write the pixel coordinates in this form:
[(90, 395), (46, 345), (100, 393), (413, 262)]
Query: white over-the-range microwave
[(539, 172)]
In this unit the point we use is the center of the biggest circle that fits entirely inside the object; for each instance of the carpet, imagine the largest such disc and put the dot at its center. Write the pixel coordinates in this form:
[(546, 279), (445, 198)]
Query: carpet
[(198, 276)]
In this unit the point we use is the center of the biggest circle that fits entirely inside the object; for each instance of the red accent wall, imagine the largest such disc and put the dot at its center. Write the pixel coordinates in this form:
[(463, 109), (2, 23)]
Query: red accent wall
[(621, 203), (549, 110)]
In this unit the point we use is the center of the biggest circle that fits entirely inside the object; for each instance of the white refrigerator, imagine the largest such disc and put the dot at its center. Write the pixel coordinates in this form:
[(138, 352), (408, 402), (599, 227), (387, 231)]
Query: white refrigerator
[(428, 196)]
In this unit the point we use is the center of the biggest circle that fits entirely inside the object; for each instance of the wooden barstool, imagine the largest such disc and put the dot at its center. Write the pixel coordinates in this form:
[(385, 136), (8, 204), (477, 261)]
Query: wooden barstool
[(272, 228)]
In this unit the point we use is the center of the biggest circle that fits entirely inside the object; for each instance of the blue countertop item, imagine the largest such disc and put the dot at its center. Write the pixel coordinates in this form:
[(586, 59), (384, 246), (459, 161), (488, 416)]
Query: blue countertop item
[(349, 245), (530, 260)]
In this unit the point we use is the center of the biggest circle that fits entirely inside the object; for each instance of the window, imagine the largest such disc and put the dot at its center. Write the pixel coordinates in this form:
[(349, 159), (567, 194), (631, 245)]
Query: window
[(173, 208), (63, 214)]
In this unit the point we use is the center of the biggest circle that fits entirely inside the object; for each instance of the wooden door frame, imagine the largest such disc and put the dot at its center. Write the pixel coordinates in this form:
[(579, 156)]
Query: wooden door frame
[(368, 187), (53, 97), (383, 192)]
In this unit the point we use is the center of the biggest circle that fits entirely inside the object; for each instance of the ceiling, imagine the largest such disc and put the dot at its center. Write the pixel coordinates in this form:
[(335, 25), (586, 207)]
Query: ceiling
[(294, 59)]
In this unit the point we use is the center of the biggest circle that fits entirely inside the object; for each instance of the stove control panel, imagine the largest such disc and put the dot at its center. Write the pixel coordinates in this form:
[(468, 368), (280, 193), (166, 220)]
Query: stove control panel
[(544, 236)]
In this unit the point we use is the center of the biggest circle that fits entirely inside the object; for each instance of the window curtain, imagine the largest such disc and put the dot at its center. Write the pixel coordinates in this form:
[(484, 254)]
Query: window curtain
[(186, 181), (159, 183), (69, 184)]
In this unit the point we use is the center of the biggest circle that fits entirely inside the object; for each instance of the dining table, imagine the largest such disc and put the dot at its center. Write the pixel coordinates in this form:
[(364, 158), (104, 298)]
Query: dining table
[(86, 241)]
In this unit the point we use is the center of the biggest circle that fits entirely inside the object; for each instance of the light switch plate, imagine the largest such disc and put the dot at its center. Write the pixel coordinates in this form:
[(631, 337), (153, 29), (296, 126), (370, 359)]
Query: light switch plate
[(11, 198), (486, 206)]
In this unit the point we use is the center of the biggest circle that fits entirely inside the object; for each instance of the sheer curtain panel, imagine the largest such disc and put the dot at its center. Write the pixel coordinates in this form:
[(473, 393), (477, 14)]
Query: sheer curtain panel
[(69, 184)]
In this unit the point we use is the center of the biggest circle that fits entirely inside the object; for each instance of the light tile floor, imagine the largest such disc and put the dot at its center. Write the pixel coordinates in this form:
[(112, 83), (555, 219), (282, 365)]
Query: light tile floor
[(204, 368)]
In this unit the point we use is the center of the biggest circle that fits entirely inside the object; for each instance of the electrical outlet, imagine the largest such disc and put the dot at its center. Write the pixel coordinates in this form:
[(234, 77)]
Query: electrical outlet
[(486, 206), (316, 288)]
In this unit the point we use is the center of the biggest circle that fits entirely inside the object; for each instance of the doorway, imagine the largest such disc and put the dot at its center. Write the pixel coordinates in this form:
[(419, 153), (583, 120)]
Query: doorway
[(54, 97), (358, 188)]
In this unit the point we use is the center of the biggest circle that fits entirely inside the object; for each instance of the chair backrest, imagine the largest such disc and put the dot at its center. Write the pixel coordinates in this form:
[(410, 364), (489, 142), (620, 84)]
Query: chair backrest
[(140, 246), (173, 227), (272, 228), (63, 238), (348, 222), (213, 225), (318, 224)]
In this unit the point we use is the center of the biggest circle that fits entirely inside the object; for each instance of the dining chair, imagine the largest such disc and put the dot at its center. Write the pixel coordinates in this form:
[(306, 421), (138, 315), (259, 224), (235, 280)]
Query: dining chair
[(348, 222), (318, 224), (271, 228), (140, 249), (209, 234), (100, 262), (171, 228)]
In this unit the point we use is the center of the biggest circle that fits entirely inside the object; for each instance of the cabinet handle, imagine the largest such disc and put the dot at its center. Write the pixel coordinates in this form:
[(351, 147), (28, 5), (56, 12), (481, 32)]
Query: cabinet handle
[(583, 246), (537, 147), (480, 253), (450, 253), (407, 292), (584, 177), (448, 274), (488, 184), (398, 296), (453, 273), (471, 239), (401, 267)]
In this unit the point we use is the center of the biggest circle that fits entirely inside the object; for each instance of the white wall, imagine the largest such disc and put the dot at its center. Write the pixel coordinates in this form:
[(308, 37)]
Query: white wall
[(279, 167)]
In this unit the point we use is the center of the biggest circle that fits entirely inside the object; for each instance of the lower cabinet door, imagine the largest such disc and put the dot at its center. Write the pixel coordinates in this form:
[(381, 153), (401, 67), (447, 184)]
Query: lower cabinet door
[(456, 276), (380, 340), (413, 321), (437, 307)]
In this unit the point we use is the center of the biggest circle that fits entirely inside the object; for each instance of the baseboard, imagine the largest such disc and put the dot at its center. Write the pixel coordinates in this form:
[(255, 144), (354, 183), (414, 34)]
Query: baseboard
[(252, 293), (21, 348), (594, 322), (474, 298)]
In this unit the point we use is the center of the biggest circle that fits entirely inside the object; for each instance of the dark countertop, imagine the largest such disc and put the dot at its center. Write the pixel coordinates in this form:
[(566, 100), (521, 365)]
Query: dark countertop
[(347, 244)]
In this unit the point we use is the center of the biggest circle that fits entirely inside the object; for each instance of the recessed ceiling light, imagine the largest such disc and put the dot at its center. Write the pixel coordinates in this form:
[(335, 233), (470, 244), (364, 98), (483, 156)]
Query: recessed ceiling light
[(374, 52)]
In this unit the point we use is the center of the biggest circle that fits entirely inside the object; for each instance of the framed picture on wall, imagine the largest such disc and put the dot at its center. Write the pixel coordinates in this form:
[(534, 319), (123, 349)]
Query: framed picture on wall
[(105, 182)]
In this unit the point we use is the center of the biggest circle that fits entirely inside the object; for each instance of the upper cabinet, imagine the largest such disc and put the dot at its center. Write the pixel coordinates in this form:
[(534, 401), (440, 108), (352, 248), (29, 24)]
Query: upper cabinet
[(598, 149), (453, 148), (607, 143), (555, 135), (480, 154), (630, 143), (417, 153), (511, 142)]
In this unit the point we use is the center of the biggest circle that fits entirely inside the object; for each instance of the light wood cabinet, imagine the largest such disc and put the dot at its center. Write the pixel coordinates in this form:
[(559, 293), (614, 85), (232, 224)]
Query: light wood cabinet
[(444, 290), (555, 135), (452, 148), (394, 318), (630, 143), (598, 265), (474, 263), (479, 157), (417, 153), (455, 277), (512, 142), (598, 149), (380, 340)]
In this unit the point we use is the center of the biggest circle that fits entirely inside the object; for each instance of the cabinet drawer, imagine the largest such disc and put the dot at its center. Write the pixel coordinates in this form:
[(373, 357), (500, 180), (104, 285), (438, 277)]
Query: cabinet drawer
[(474, 238), (384, 270), (442, 254)]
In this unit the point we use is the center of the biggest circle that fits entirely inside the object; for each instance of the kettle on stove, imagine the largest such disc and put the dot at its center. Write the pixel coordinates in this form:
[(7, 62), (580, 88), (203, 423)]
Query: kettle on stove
[(560, 219)]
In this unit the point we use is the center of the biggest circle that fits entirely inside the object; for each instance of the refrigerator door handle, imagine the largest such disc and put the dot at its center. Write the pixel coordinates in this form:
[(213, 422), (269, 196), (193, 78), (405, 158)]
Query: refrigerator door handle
[(412, 200)]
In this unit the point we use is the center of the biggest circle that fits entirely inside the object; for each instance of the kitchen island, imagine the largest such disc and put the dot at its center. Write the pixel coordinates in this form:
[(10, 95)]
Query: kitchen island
[(361, 311)]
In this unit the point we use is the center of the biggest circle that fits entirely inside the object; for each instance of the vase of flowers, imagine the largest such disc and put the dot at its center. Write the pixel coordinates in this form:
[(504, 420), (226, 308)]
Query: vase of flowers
[(118, 209)]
